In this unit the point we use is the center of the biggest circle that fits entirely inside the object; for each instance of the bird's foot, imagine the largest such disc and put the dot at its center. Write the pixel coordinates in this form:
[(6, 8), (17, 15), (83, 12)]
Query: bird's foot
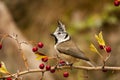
[(69, 64), (65, 63)]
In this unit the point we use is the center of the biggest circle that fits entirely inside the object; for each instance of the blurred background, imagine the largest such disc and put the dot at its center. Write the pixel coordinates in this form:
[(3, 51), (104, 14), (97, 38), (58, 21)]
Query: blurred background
[(36, 19)]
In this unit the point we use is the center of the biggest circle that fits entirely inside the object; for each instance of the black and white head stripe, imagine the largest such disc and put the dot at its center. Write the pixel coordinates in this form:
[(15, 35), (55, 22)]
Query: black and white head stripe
[(61, 26)]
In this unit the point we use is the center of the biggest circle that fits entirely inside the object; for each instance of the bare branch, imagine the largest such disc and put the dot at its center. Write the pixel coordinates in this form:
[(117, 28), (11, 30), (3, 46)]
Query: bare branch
[(99, 68)]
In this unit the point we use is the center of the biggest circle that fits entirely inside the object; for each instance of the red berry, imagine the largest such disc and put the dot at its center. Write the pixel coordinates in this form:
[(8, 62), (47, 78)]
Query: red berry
[(101, 46), (41, 66), (116, 2), (45, 59), (40, 45), (62, 62), (34, 49), (108, 49), (65, 74), (0, 65), (9, 78), (0, 45), (52, 70), (48, 67)]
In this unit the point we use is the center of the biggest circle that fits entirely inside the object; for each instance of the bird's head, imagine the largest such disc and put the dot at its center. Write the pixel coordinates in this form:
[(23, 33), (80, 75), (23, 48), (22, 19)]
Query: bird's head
[(60, 33)]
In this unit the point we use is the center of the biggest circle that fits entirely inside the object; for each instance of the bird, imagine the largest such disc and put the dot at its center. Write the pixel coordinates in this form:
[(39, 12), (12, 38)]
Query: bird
[(66, 48)]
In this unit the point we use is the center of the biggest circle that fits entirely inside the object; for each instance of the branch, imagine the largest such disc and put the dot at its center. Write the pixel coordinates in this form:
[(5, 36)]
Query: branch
[(93, 68), (63, 67)]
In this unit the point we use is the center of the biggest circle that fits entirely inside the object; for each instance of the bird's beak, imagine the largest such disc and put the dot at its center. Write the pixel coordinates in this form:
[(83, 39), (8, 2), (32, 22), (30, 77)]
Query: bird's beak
[(52, 35)]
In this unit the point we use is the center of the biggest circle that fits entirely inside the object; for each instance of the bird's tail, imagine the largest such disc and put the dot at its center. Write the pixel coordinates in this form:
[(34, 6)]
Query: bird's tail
[(91, 64)]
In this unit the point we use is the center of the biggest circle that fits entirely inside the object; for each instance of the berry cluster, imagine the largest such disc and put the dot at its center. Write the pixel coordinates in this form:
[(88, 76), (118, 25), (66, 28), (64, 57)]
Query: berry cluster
[(42, 65), (106, 48), (52, 70), (45, 59), (47, 67), (39, 45), (116, 2)]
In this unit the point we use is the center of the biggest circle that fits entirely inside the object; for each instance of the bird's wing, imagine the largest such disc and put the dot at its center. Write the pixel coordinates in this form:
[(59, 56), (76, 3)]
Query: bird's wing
[(69, 48)]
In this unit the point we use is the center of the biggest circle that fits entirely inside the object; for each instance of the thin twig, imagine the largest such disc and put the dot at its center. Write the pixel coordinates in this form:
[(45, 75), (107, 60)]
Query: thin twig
[(20, 50), (99, 68), (15, 37), (92, 68)]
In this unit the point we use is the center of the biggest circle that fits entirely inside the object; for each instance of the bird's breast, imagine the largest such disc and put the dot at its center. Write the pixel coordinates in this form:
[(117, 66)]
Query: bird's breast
[(65, 57)]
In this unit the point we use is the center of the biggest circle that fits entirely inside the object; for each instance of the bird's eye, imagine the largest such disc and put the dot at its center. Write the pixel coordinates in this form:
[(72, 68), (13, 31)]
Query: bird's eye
[(59, 33)]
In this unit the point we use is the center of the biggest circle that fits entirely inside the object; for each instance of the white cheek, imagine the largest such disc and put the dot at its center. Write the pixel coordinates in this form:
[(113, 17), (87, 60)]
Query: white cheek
[(61, 37)]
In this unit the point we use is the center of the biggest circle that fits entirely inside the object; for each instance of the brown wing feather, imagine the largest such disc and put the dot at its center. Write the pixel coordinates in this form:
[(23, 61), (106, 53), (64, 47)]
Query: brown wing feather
[(69, 48)]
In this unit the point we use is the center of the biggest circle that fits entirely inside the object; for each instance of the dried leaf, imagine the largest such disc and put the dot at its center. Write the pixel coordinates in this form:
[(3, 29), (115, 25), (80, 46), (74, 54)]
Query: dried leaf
[(3, 68), (100, 39), (39, 57), (93, 48)]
